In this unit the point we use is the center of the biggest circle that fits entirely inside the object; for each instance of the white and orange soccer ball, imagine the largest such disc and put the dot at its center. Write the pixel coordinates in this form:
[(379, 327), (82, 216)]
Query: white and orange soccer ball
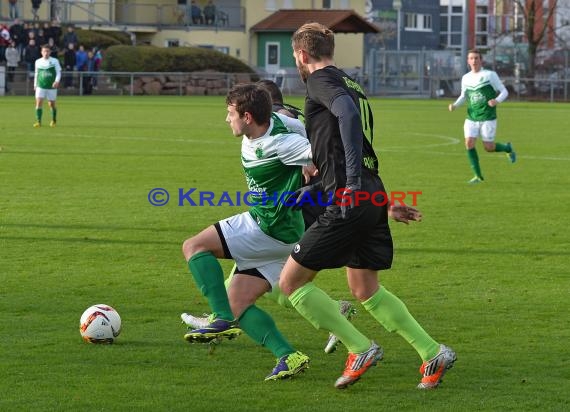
[(100, 324)]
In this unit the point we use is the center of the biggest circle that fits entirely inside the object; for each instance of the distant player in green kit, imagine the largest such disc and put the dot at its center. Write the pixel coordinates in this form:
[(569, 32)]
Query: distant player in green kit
[(46, 81), (483, 90)]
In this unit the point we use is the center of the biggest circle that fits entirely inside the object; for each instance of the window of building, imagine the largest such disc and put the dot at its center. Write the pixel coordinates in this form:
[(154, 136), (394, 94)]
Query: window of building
[(455, 40), (172, 43), (481, 40), (443, 26), (456, 23), (481, 9), (417, 22), (481, 23), (451, 23), (327, 4)]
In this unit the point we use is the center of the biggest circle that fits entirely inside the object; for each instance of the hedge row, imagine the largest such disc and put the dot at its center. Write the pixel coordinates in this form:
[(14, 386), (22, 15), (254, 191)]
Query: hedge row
[(121, 58), (99, 39)]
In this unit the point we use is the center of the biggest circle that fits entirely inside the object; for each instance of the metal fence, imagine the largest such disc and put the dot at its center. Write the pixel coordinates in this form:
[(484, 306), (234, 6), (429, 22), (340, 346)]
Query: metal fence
[(434, 74), (431, 84), (20, 83)]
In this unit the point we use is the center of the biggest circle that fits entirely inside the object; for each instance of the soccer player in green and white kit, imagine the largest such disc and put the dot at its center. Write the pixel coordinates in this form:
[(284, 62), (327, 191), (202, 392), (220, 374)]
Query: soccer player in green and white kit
[(310, 213), (258, 240), (47, 75), (483, 90)]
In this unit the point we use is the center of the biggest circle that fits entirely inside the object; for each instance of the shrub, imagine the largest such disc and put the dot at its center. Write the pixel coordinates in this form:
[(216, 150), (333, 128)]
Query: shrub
[(122, 58), (101, 40)]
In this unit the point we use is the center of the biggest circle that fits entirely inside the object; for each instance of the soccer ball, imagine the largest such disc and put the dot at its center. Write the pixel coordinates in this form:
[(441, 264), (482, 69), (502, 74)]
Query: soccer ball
[(100, 324)]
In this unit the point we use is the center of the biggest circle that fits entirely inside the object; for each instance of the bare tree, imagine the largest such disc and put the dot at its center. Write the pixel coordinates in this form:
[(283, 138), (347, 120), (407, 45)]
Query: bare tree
[(538, 22)]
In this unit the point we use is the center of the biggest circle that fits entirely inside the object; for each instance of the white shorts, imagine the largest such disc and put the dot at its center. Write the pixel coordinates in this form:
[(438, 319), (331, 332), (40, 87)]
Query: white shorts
[(49, 94), (251, 248), (486, 129)]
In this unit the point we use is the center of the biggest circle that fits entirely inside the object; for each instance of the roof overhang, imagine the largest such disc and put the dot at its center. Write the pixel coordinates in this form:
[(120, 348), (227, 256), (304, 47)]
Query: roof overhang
[(339, 21)]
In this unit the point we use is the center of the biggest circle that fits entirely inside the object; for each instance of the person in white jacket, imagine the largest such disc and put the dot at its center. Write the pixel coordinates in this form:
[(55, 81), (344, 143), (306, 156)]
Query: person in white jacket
[(12, 61)]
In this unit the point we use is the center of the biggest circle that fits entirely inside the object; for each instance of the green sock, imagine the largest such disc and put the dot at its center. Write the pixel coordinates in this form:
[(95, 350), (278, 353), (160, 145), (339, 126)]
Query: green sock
[(393, 314), (322, 312), (262, 329), (54, 114), (209, 278), (39, 113), (474, 161), (501, 147), (277, 296)]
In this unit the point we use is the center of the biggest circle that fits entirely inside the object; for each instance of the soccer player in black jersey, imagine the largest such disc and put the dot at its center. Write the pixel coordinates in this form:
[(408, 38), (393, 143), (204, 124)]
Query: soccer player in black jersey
[(349, 233)]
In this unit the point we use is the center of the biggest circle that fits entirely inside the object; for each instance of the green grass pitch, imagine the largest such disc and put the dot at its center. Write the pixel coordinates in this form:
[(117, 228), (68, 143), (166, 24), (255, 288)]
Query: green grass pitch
[(485, 272)]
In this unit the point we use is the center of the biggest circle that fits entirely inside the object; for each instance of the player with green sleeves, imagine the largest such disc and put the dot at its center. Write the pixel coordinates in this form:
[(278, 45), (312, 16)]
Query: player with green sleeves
[(483, 91), (259, 239), (47, 75)]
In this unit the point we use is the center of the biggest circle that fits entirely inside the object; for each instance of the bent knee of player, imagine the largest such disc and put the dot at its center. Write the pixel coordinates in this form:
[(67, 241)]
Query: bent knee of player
[(470, 142), (239, 304), (191, 246), (489, 146), (294, 276)]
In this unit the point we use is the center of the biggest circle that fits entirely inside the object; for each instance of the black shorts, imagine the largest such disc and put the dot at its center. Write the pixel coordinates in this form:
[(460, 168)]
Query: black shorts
[(361, 241)]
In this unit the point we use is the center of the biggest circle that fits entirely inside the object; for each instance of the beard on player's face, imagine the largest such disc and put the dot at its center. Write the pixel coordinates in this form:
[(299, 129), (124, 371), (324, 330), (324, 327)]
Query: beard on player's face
[(303, 72)]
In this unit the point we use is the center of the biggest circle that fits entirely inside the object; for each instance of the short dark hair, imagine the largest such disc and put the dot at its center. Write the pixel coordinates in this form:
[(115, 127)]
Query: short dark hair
[(474, 51), (251, 98), (273, 89)]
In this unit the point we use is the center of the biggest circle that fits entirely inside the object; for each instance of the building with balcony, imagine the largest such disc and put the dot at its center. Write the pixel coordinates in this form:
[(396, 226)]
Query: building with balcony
[(233, 28)]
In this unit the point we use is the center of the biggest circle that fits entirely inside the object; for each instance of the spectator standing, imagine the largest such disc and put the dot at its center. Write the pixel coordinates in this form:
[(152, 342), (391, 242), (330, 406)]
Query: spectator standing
[(69, 63), (70, 37), (89, 70), (196, 13), (35, 28), (54, 50), (46, 27), (41, 37), (31, 54), (18, 35), (98, 58), (35, 7), (183, 10), (12, 60), (81, 59), (210, 12), (55, 32), (4, 41), (27, 28), (14, 12)]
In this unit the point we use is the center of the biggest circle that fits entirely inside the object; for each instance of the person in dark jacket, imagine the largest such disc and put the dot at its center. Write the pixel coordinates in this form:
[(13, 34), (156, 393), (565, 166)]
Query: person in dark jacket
[(69, 63), (31, 54)]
